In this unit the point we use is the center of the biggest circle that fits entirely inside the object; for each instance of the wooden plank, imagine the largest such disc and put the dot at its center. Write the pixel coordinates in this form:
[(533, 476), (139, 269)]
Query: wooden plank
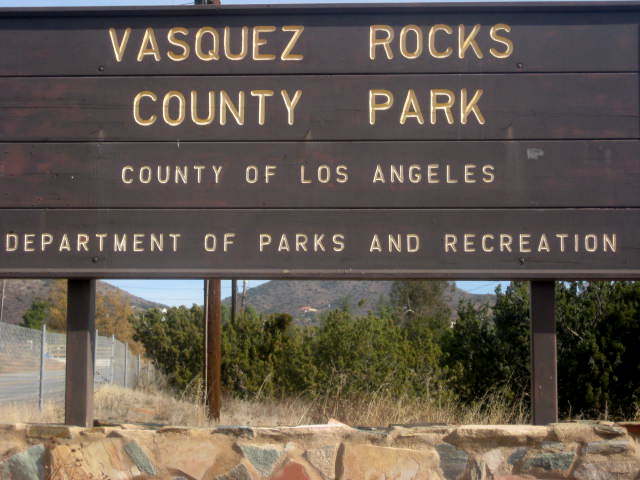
[(577, 39), (331, 243), (81, 344), (355, 174), (507, 107), (544, 368)]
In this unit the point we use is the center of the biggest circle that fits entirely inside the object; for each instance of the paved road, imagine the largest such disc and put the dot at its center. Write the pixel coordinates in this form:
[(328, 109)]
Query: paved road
[(24, 386), (17, 387)]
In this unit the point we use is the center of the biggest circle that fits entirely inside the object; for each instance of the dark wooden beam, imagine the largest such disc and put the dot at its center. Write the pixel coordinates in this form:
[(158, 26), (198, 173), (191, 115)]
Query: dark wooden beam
[(214, 348), (81, 342), (544, 376)]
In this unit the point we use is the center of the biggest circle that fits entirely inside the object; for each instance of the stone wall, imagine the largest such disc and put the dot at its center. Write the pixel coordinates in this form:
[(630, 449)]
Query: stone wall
[(583, 451)]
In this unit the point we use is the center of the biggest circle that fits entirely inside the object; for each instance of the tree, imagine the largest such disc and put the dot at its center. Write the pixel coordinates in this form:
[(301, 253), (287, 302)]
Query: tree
[(114, 316), (37, 314), (174, 341), (598, 328), (421, 303), (488, 350), (471, 352), (512, 328), (58, 306)]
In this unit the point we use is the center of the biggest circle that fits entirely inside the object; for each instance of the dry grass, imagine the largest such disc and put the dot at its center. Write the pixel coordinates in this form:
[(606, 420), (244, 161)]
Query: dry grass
[(119, 405), (28, 412), (115, 404)]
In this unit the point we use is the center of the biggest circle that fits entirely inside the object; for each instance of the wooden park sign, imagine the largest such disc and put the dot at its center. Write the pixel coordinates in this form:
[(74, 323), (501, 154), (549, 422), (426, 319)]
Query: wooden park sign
[(442, 141)]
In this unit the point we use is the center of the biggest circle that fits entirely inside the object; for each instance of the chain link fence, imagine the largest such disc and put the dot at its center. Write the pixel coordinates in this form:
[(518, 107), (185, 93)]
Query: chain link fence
[(32, 364)]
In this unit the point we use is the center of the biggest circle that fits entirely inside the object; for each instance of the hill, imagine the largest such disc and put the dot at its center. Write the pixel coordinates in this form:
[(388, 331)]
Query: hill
[(19, 294), (306, 299)]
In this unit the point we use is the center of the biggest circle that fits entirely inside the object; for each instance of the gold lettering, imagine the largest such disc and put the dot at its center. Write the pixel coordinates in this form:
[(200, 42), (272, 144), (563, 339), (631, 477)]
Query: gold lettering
[(488, 173), (210, 242), (290, 104), (524, 242), (11, 242), (157, 242), (259, 42), (470, 107), (562, 237), (486, 248), (469, 173), (119, 46), (264, 240), (145, 122), (376, 245), (493, 33), (283, 246), (244, 47), (262, 103), (124, 172), (286, 53), (444, 106), (338, 242), (46, 239), (29, 238), (378, 176), (212, 54), (194, 108), (543, 244), (166, 101), (469, 242), (374, 106), (227, 104), (227, 240), (417, 31), (175, 237), (149, 46), (610, 242), (171, 38), (374, 41), (119, 242), (450, 241), (101, 237), (505, 242), (411, 109), (138, 238), (433, 51), (464, 42), (65, 245)]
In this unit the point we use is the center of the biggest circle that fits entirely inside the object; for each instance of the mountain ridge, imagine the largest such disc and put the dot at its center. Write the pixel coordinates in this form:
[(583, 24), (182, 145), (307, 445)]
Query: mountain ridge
[(306, 300), (20, 294)]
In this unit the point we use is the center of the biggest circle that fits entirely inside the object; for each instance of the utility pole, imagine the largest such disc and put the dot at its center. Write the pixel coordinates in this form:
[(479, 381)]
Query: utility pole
[(212, 329), (4, 284), (214, 348), (234, 299), (243, 299)]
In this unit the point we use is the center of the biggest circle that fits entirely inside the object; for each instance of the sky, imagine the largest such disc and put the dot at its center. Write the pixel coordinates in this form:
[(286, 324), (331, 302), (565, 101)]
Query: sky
[(188, 292)]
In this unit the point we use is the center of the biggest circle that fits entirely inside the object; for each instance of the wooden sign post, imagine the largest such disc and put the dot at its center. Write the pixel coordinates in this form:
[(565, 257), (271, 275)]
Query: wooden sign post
[(462, 141), (81, 344)]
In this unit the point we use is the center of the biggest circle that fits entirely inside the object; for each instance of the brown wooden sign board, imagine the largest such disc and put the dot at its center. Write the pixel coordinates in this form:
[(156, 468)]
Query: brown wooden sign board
[(442, 141)]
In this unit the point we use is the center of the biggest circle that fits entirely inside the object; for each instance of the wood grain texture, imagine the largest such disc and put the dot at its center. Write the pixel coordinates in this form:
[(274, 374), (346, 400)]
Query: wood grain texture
[(357, 174), (515, 107), (580, 39), (348, 256)]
